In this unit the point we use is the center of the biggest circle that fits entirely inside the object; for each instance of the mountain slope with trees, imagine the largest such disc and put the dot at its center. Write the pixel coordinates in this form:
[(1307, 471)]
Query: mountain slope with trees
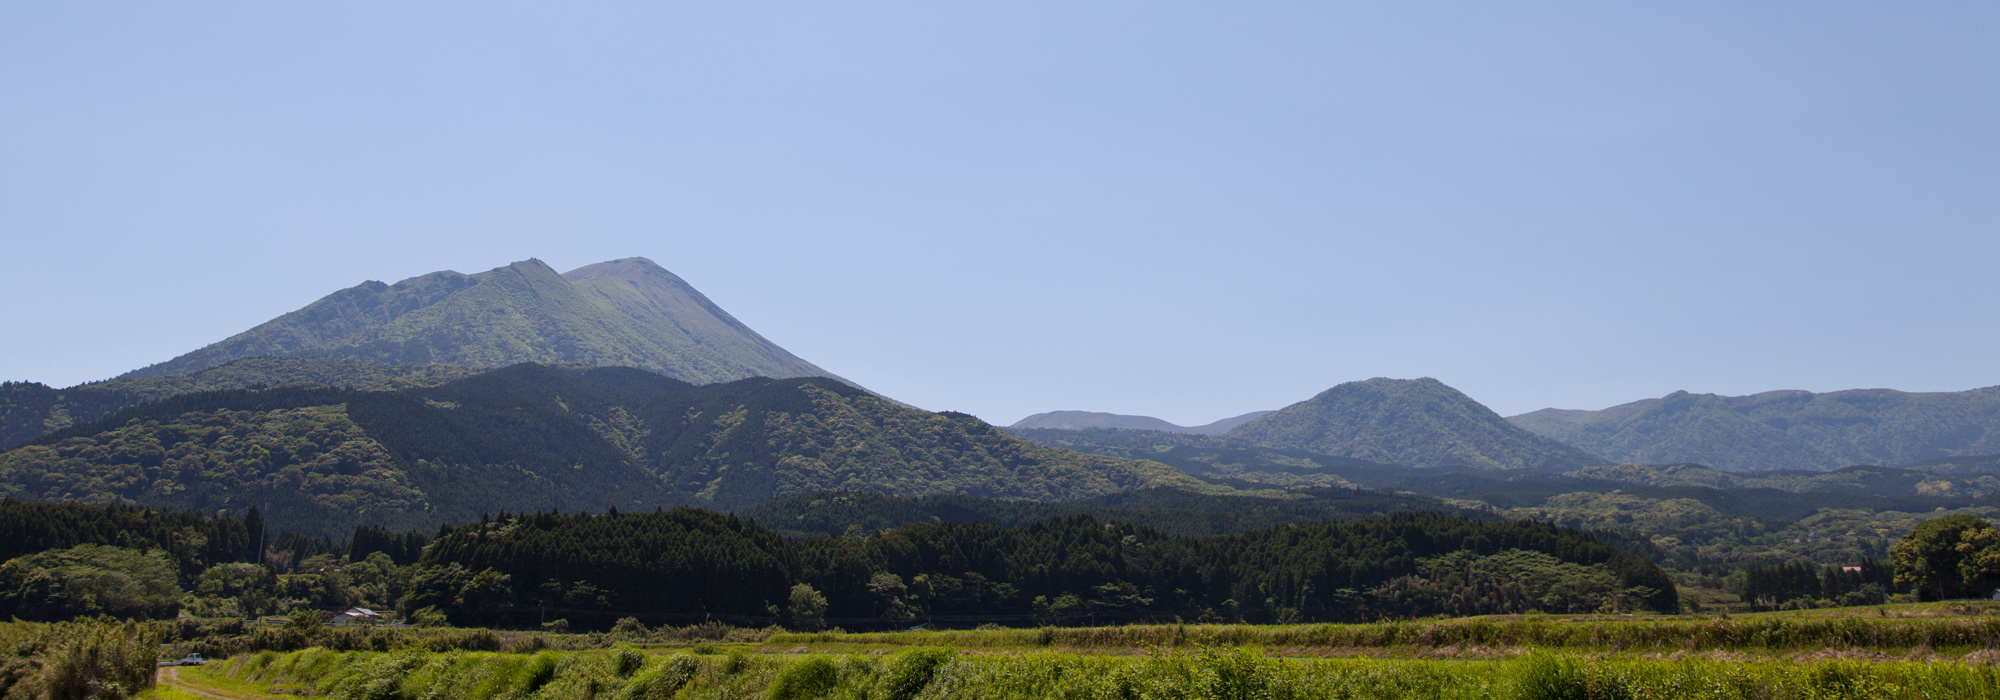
[(1783, 429), (31, 409), (624, 313), (1408, 421), (533, 437)]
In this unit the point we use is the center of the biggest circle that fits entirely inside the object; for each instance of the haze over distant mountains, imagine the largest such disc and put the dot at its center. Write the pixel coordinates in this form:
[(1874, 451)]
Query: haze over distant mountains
[(1081, 420), (623, 313), (1784, 429)]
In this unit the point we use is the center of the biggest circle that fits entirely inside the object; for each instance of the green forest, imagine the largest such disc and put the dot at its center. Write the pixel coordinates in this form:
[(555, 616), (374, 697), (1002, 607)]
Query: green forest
[(1711, 526), (531, 437), (29, 409), (689, 565), (1171, 511)]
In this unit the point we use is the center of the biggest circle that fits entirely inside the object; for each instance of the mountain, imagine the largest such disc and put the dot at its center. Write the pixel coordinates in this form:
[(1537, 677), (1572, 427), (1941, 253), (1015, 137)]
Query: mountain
[(534, 437), (1080, 420), (624, 313), (1408, 421), (1214, 459), (1783, 429), (1777, 496), (31, 409)]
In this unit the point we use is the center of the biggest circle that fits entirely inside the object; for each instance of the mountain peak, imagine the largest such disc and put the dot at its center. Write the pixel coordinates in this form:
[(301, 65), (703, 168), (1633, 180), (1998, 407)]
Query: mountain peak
[(1409, 421), (628, 312)]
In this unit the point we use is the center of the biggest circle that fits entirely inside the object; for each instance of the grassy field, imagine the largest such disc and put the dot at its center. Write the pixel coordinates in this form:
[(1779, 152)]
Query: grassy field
[(935, 672), (1888, 628), (1947, 650)]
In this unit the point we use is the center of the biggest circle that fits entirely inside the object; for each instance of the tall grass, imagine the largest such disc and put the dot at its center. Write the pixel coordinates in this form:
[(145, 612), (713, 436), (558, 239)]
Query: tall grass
[(1776, 633), (227, 638), (1200, 673), (102, 659)]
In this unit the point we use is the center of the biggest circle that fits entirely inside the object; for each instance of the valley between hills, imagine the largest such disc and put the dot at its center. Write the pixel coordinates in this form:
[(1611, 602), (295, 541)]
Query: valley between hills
[(609, 446)]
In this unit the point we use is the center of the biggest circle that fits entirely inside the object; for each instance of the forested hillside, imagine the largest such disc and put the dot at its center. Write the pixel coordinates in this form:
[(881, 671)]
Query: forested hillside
[(1689, 517), (534, 437), (29, 410), (1784, 429), (622, 313), (1215, 458)]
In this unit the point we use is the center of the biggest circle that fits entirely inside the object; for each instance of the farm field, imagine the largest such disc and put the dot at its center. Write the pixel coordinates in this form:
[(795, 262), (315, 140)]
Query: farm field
[(1939, 650)]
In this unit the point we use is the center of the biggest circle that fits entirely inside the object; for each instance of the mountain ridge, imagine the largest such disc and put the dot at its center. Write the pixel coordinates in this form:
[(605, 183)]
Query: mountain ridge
[(1787, 429), (1077, 420), (31, 409), (533, 437)]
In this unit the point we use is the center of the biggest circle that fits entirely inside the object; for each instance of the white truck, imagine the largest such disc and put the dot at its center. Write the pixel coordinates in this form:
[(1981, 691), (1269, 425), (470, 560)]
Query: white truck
[(189, 660)]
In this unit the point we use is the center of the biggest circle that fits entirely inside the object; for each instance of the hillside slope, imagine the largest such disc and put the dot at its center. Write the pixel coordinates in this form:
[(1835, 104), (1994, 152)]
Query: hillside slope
[(624, 313), (534, 437), (1408, 421), (1085, 420), (1784, 429), (31, 409)]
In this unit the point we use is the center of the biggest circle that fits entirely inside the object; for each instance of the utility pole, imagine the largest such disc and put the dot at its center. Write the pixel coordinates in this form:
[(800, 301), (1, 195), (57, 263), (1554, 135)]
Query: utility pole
[(264, 533)]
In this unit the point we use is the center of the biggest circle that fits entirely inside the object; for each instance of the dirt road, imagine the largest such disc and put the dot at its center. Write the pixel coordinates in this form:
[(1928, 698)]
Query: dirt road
[(171, 677)]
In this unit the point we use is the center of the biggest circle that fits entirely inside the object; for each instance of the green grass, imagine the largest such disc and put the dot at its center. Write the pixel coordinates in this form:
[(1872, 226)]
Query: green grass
[(1945, 650), (1208, 672), (166, 693), (1943, 626)]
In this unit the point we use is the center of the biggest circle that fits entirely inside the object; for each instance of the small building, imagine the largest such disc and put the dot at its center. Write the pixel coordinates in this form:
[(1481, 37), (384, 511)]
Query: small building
[(357, 616)]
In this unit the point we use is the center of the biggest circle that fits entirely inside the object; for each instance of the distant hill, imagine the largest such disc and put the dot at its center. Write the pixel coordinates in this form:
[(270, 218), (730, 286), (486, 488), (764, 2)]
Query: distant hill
[(1080, 420), (1783, 429), (31, 409), (1211, 458), (1408, 421), (1779, 496), (534, 437), (622, 313)]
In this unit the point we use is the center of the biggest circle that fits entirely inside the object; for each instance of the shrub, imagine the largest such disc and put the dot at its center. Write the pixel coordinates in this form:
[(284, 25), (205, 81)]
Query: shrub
[(808, 678), (662, 681), (909, 672), (97, 659), (626, 662)]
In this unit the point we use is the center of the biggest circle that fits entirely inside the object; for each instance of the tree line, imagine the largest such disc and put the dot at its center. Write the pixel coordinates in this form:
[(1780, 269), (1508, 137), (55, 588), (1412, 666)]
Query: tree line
[(519, 570)]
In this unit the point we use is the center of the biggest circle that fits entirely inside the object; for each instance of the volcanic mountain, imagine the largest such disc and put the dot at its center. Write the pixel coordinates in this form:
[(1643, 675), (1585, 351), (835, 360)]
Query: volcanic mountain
[(626, 313)]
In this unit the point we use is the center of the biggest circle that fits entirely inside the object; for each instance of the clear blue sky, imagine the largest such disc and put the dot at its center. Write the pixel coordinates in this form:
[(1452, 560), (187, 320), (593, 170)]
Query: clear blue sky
[(1183, 210)]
